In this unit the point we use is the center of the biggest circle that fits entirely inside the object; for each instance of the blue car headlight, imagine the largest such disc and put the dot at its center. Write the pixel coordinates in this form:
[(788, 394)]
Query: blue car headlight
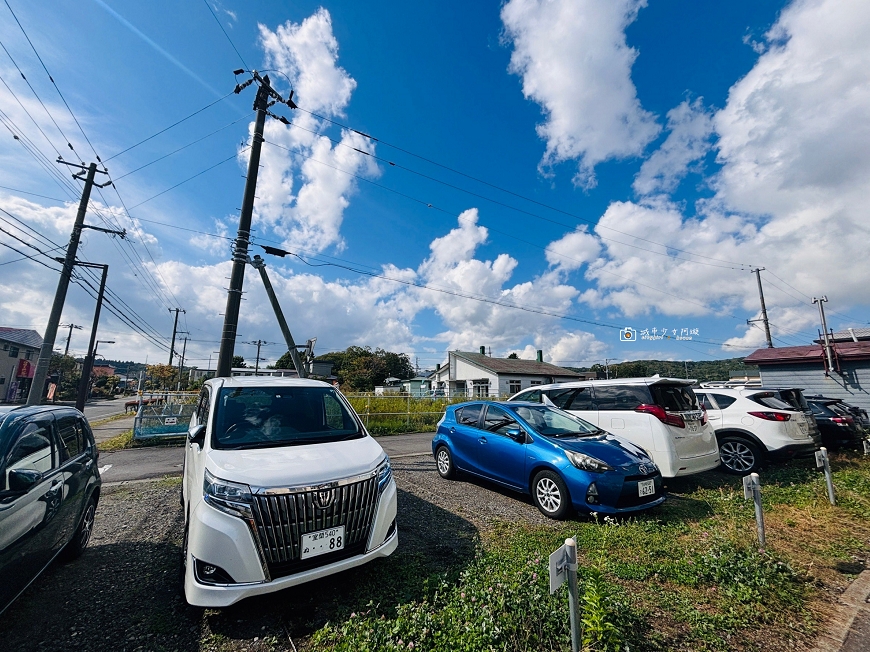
[(587, 462)]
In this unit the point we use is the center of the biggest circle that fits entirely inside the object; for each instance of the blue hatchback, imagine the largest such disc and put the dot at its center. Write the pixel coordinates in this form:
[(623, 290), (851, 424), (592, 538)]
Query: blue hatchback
[(561, 460)]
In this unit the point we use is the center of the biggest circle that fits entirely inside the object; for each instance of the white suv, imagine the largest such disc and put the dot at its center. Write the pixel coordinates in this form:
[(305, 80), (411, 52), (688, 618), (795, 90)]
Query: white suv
[(755, 424), (282, 485), (661, 415)]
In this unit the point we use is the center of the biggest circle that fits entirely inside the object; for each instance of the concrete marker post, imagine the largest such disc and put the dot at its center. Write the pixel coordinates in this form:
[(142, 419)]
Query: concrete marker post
[(866, 447), (822, 462), (752, 489), (573, 605)]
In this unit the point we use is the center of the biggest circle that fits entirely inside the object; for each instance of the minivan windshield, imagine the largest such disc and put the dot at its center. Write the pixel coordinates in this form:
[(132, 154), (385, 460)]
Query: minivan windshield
[(551, 422), (265, 417)]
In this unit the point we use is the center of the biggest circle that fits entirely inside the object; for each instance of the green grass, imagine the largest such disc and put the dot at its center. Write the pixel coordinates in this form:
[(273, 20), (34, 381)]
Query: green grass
[(688, 575), (118, 442)]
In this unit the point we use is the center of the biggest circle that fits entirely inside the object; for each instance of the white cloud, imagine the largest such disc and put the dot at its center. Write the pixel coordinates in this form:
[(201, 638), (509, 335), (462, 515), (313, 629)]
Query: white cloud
[(573, 250), (574, 61), (309, 220), (794, 148), (690, 126)]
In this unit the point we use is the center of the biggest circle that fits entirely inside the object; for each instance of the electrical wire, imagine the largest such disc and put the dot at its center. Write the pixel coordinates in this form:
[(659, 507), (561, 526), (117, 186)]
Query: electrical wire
[(225, 33), (174, 124)]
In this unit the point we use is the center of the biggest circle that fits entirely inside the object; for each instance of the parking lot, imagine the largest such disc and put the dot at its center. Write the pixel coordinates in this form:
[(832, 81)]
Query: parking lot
[(123, 593)]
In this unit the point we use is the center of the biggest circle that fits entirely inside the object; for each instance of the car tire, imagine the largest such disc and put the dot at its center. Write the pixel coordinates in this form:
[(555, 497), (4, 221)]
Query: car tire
[(739, 456), (551, 495), (79, 541), (444, 463)]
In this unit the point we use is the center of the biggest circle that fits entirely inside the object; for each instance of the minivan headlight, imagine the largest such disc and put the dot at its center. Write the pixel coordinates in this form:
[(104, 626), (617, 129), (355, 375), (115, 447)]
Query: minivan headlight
[(385, 474), (230, 497), (587, 462)]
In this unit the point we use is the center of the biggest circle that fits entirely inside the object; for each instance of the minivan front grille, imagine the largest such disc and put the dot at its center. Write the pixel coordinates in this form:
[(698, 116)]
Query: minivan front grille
[(282, 518)]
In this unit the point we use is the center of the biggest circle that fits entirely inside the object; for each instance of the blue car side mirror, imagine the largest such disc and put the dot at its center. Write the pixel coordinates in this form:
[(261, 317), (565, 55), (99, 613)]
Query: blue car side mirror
[(516, 434)]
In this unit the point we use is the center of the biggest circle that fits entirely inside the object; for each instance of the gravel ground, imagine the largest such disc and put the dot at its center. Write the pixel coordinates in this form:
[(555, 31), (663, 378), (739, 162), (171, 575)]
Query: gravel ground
[(123, 593)]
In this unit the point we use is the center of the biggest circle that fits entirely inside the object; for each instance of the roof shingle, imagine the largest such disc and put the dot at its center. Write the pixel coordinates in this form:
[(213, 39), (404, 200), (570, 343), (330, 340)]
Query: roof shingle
[(21, 336), (515, 366)]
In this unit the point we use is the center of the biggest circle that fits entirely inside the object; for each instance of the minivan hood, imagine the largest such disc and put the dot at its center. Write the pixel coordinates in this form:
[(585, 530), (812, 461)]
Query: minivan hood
[(292, 466), (608, 448)]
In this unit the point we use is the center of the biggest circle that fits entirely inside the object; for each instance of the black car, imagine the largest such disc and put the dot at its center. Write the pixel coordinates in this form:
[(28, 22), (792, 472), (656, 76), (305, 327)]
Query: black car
[(860, 414), (838, 426), (49, 489)]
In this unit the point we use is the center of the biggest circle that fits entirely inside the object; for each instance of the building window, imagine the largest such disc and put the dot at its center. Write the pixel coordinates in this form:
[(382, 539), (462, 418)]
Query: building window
[(28, 355), (536, 382), (481, 388), (13, 351), (514, 386)]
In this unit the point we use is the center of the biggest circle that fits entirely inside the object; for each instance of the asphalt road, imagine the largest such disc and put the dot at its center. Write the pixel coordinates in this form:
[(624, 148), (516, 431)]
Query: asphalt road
[(102, 409), (158, 461)]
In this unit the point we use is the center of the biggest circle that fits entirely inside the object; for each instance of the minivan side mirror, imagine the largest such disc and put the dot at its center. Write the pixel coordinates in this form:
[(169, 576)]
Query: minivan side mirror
[(23, 480), (196, 435), (517, 434)]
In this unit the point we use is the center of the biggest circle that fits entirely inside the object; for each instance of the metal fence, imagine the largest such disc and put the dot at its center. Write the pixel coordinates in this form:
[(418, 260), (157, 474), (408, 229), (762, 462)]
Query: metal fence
[(164, 414), (395, 413)]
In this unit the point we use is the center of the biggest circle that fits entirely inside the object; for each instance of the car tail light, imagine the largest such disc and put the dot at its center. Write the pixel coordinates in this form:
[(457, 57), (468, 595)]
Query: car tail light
[(772, 416), (843, 421), (661, 414)]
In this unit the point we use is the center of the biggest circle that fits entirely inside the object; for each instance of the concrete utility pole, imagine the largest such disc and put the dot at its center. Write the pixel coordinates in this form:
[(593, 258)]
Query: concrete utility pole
[(260, 266), (240, 251), (34, 396), (258, 344), (757, 273), (69, 337), (174, 330), (828, 353), (181, 363), (88, 365)]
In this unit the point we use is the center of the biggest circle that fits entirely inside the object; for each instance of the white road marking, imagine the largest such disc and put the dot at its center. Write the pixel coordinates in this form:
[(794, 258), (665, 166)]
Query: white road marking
[(103, 469)]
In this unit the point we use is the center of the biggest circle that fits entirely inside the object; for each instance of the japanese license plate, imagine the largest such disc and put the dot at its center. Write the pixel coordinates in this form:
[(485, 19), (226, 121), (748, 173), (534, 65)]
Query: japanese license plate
[(691, 425), (646, 488), (322, 542)]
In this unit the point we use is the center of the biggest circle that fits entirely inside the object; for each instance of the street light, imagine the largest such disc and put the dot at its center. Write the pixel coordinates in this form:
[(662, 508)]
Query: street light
[(98, 342)]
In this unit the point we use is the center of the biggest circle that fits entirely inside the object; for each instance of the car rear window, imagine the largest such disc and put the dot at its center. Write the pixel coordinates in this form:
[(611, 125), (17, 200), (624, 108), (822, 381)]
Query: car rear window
[(534, 396), (768, 399), (723, 401), (674, 398), (621, 397), (795, 398), (561, 397)]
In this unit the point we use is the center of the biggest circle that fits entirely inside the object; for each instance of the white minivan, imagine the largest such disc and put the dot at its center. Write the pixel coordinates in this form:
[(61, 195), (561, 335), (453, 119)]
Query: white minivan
[(282, 484), (661, 415)]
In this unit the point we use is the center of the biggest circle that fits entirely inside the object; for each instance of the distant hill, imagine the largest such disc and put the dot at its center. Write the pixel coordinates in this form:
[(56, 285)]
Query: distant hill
[(704, 370)]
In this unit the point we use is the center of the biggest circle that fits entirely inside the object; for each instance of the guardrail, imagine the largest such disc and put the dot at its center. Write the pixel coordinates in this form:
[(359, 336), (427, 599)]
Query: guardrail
[(395, 413), (163, 415)]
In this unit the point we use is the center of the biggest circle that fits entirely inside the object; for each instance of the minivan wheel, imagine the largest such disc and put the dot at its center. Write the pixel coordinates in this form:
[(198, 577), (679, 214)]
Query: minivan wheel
[(79, 542), (739, 456), (551, 495), (444, 462)]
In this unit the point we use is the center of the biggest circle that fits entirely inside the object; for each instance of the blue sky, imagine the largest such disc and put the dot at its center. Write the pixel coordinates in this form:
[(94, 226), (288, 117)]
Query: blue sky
[(600, 164)]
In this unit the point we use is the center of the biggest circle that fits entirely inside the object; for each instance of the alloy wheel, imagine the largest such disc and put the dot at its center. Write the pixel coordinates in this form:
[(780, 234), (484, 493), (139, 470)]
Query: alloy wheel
[(549, 496), (87, 526), (443, 462), (737, 456)]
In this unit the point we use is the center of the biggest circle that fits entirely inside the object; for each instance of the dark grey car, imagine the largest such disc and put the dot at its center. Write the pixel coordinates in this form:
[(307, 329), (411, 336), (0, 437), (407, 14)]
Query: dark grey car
[(49, 489)]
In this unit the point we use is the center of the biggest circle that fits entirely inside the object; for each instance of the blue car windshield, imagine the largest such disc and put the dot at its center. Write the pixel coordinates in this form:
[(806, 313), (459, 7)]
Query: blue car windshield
[(552, 422)]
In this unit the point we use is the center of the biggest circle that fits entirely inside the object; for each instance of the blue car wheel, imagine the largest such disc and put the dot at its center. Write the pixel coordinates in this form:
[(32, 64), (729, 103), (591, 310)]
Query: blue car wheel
[(551, 495), (444, 462)]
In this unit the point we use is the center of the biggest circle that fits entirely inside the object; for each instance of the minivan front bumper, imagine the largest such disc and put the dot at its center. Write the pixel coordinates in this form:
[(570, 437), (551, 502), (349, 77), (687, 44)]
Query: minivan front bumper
[(227, 542)]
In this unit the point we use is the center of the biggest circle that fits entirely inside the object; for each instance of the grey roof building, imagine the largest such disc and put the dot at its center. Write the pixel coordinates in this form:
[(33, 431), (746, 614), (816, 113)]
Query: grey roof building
[(19, 349), (806, 367), (477, 374)]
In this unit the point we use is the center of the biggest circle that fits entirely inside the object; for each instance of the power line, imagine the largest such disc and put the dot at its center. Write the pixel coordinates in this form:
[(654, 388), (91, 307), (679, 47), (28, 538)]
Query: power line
[(163, 192), (509, 235), (174, 124), (225, 33), (175, 151)]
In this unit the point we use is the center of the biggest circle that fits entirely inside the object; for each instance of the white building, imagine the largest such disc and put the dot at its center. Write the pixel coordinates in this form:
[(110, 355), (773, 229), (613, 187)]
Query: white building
[(477, 374)]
